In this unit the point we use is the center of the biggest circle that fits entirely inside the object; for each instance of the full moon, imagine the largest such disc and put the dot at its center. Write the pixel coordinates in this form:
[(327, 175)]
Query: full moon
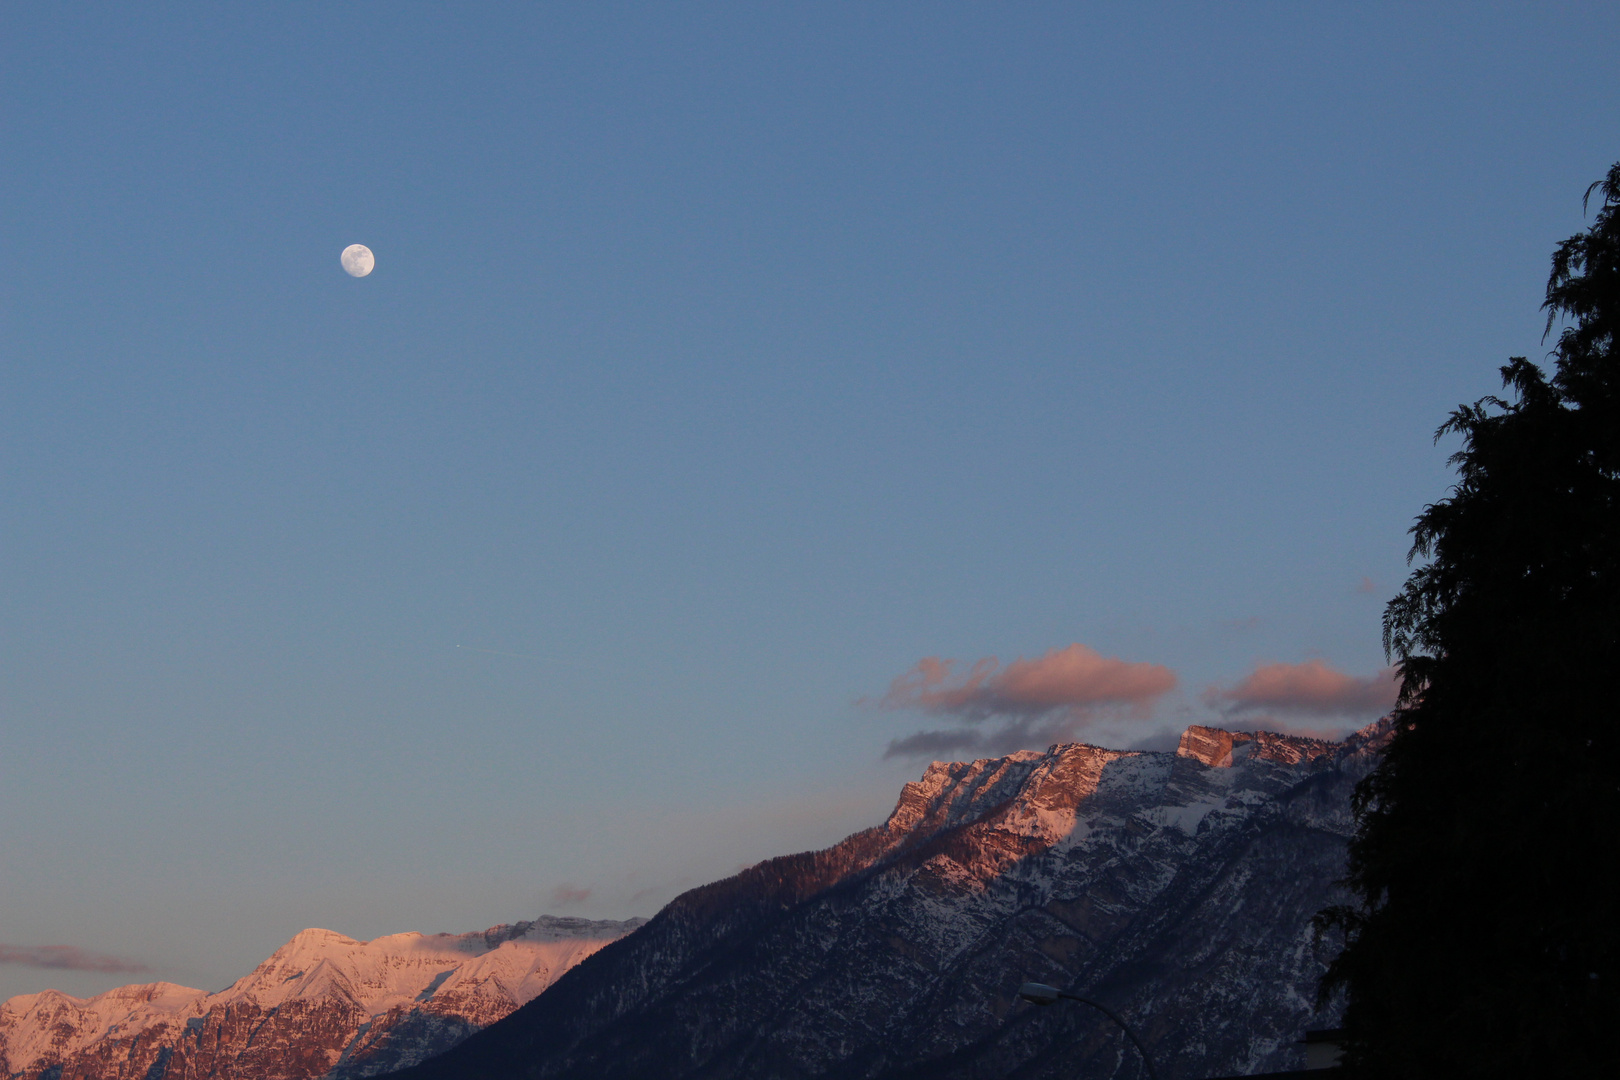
[(358, 260)]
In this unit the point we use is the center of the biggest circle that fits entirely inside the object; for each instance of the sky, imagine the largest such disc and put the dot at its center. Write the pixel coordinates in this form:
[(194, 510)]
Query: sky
[(750, 403)]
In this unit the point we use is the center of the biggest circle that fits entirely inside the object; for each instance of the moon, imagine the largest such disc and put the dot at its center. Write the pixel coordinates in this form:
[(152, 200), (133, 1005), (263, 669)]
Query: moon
[(357, 260)]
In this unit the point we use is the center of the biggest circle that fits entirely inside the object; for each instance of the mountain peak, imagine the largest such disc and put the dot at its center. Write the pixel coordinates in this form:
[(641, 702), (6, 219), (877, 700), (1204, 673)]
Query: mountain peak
[(1220, 749), (328, 1005)]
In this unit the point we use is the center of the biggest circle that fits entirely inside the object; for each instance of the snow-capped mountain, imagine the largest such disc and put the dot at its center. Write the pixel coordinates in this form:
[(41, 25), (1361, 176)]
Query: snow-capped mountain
[(1177, 888), (323, 1005)]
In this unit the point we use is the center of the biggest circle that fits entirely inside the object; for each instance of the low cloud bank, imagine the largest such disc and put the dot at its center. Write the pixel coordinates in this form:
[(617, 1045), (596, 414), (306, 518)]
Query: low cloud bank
[(67, 958), (1037, 702), (1311, 689)]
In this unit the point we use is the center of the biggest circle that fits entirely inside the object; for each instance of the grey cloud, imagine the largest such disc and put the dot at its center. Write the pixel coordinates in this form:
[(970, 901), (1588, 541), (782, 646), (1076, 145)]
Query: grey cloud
[(67, 958)]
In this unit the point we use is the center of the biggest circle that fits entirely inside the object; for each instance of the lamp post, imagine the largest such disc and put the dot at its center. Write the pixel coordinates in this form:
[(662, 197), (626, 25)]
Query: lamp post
[(1041, 994)]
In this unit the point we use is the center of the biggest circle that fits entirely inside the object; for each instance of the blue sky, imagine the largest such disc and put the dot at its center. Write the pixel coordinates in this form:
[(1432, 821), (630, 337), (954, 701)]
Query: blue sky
[(721, 364)]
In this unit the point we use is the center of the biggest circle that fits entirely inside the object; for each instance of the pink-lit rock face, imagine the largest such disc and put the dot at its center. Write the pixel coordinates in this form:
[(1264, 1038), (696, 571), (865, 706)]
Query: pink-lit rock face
[(1219, 749), (1212, 746), (323, 1005)]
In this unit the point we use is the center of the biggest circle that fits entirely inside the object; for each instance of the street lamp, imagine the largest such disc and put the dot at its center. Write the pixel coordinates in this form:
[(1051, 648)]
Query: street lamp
[(1041, 994)]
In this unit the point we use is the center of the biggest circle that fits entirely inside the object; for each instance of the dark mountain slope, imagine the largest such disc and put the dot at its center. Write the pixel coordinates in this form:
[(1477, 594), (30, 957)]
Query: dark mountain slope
[(1177, 887)]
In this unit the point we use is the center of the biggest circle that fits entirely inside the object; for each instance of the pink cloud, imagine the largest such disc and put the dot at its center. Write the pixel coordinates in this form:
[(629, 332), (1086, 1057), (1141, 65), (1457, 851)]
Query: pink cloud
[(566, 895), (1366, 585), (67, 958), (1309, 689), (1043, 701), (1076, 677)]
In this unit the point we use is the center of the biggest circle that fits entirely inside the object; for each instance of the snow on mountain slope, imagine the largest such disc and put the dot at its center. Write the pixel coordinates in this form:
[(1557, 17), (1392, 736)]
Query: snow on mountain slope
[(322, 1005), (394, 971), (53, 1025), (1177, 887)]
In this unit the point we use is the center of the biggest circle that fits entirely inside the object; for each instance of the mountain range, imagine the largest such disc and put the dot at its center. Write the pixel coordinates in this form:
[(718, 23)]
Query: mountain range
[(322, 1005), (1176, 888)]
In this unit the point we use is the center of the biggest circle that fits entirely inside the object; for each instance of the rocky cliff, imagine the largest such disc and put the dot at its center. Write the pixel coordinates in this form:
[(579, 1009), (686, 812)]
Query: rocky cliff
[(323, 1005), (1176, 887)]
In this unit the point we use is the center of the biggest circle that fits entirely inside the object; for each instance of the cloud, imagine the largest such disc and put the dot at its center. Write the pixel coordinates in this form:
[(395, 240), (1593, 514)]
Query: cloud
[(1075, 677), (67, 958), (1366, 585), (1158, 742), (1018, 733), (935, 744), (1309, 689), (661, 891), (566, 895), (1041, 701)]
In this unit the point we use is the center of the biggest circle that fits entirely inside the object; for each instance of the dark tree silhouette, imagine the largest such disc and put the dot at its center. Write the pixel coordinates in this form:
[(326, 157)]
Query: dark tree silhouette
[(1487, 857)]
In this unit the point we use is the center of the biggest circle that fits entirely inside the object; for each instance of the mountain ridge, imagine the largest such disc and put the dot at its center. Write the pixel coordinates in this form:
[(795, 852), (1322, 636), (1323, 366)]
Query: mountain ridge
[(898, 949), (1177, 886), (322, 1005)]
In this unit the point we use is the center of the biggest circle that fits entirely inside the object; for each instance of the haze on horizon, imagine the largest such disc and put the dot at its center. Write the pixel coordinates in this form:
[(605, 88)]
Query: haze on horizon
[(746, 406)]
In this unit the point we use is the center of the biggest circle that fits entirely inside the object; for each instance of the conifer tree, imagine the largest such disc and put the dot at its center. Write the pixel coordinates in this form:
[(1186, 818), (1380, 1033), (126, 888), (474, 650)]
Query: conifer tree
[(1487, 852)]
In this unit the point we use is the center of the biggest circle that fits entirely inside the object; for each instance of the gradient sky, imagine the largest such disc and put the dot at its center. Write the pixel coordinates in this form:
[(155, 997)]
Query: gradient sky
[(726, 370)]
